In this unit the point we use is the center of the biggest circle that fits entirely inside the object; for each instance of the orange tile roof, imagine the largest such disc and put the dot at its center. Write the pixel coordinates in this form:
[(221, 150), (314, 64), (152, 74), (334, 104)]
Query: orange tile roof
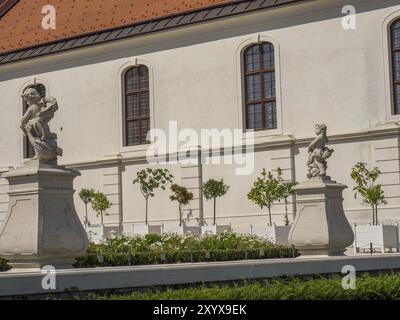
[(21, 26)]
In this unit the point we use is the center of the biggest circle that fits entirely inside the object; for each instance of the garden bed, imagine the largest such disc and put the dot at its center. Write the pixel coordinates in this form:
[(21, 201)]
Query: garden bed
[(160, 249), (173, 248)]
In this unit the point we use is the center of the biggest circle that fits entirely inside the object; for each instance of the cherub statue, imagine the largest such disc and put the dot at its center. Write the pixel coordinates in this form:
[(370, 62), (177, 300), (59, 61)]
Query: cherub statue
[(318, 153), (35, 125)]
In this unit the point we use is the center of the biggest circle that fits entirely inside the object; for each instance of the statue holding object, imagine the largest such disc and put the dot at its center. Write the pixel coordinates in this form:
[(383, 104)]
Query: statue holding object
[(321, 226), (35, 125), (42, 226), (318, 153)]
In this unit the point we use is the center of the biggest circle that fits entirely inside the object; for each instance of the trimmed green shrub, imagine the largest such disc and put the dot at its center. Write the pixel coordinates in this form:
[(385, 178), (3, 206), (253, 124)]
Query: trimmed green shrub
[(3, 265), (382, 287), (172, 248)]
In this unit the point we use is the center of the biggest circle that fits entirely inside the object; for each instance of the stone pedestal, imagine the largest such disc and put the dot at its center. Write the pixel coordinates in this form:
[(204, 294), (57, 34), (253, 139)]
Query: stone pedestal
[(320, 227), (42, 226)]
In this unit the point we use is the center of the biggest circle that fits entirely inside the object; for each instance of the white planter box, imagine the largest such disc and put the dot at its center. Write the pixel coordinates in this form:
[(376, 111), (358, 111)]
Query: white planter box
[(97, 232), (215, 229), (195, 230), (381, 237), (276, 234), (142, 229)]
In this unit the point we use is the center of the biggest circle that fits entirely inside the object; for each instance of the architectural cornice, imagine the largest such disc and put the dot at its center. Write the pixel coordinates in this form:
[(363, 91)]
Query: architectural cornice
[(386, 130)]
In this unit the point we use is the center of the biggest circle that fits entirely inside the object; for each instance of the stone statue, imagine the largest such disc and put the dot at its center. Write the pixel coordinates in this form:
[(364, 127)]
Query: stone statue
[(59, 237), (35, 126), (320, 226), (318, 153)]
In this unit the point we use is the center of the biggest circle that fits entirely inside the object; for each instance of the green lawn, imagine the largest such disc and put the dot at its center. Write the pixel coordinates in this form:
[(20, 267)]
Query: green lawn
[(385, 287)]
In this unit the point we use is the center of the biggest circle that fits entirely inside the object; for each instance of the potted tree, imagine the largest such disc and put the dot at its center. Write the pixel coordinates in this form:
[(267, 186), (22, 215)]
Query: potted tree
[(149, 180), (372, 194), (287, 191), (367, 187), (212, 190), (181, 195), (100, 204), (266, 191), (86, 196)]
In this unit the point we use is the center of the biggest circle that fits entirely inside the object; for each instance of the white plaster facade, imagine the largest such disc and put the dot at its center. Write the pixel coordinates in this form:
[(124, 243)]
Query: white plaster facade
[(324, 74)]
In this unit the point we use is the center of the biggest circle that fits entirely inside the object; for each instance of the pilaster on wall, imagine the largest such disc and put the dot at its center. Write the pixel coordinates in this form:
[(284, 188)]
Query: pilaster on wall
[(192, 179), (284, 158), (112, 188), (386, 154), (3, 199)]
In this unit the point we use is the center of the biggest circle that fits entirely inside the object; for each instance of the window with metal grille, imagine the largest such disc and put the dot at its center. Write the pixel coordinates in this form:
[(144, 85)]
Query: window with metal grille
[(395, 44), (137, 105), (29, 152), (260, 87)]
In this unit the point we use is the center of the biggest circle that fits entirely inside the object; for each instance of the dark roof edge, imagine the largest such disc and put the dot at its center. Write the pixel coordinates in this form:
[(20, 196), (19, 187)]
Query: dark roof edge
[(6, 6), (149, 26)]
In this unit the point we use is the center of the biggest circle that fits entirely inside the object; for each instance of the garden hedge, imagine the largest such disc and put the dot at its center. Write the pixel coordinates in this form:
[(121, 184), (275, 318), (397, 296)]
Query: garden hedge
[(382, 287), (172, 248), (109, 259)]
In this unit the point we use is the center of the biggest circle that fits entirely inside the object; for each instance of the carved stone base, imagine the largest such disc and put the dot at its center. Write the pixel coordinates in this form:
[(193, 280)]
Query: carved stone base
[(42, 226), (320, 227)]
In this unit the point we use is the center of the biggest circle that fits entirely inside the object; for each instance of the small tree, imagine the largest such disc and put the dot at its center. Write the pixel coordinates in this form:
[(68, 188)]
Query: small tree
[(214, 189), (100, 204), (182, 196), (266, 190), (86, 196), (287, 191), (366, 186), (149, 181)]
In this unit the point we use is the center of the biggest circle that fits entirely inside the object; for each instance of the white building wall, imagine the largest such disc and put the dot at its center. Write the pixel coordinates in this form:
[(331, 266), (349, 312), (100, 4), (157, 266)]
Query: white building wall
[(324, 74)]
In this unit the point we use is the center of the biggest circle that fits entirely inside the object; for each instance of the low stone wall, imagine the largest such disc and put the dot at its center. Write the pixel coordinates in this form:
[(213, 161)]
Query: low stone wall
[(12, 284)]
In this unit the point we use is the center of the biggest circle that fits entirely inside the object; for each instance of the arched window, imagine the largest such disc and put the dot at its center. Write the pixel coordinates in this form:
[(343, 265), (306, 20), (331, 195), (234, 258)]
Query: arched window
[(29, 152), (137, 105), (395, 44), (260, 87)]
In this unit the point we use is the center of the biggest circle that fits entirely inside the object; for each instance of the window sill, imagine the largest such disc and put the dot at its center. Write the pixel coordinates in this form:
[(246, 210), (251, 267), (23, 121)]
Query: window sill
[(393, 118), (262, 133)]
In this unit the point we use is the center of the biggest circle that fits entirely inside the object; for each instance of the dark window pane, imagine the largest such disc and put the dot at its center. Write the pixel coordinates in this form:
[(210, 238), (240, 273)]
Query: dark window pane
[(252, 57), (396, 66), (270, 115), (144, 105), (396, 35), (269, 56), (132, 80), (255, 117), (132, 105), (144, 78), (253, 87), (269, 85), (133, 132), (145, 127), (397, 98)]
